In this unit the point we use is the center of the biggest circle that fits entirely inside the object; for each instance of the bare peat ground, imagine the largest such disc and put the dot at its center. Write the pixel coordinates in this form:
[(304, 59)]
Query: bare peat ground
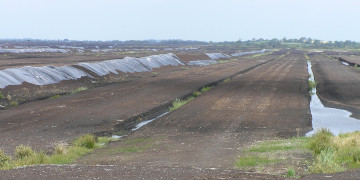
[(43, 123), (337, 85), (202, 139)]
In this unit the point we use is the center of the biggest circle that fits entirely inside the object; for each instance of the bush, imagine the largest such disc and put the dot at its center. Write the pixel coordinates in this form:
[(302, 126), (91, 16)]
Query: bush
[(196, 94), (1, 95), (321, 140), (4, 159), (87, 141), (290, 172), (14, 103), (178, 103), (204, 89), (60, 148), (326, 162), (23, 151)]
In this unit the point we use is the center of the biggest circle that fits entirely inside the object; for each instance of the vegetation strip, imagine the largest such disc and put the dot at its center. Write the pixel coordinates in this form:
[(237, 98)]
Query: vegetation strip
[(328, 154), (63, 154)]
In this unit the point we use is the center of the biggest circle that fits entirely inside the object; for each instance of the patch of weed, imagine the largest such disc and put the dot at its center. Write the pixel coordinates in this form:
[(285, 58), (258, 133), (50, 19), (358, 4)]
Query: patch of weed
[(22, 151), (207, 88), (226, 80), (312, 85), (252, 161), (196, 94), (290, 172), (4, 159), (14, 103), (79, 90), (178, 103), (72, 153), (87, 141), (321, 140), (55, 96), (1, 95)]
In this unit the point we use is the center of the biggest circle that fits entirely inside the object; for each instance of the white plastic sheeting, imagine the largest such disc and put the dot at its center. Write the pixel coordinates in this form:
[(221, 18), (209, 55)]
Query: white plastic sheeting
[(202, 62), (215, 56), (252, 52), (33, 50), (52, 74), (130, 64), (39, 75)]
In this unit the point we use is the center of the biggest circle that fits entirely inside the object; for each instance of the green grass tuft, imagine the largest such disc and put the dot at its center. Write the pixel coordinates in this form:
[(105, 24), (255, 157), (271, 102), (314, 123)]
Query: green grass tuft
[(251, 161), (226, 80), (196, 94), (55, 96), (14, 103), (79, 90), (87, 141), (321, 140), (290, 172), (1, 95), (204, 89), (178, 103), (4, 159), (22, 151), (72, 153), (325, 162), (312, 85)]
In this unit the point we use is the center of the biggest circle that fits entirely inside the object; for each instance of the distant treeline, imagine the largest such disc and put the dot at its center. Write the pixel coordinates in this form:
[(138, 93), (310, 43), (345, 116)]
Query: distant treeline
[(249, 44), (293, 43)]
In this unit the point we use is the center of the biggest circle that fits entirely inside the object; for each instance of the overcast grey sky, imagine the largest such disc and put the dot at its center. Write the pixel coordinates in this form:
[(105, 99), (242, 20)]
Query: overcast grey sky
[(206, 20)]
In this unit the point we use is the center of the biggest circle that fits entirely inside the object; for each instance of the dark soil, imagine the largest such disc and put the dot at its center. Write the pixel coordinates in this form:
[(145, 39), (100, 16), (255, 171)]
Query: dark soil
[(337, 85), (266, 98), (42, 123)]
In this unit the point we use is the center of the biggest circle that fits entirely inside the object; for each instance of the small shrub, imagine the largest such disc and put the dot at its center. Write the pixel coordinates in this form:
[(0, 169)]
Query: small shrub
[(290, 172), (326, 162), (87, 141), (321, 140), (55, 96), (204, 89), (14, 103), (22, 151), (60, 148), (196, 94), (1, 95), (312, 85), (227, 80), (178, 103), (4, 159)]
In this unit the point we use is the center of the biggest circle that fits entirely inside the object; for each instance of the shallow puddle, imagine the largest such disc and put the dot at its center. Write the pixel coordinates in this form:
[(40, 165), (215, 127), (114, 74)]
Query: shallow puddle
[(336, 120), (138, 126)]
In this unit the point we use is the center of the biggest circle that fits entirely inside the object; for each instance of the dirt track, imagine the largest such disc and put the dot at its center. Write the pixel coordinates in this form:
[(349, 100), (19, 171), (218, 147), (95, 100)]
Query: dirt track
[(337, 85)]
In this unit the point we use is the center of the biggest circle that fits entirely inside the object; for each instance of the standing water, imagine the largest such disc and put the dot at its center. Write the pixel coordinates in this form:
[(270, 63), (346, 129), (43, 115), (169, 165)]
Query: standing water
[(335, 120)]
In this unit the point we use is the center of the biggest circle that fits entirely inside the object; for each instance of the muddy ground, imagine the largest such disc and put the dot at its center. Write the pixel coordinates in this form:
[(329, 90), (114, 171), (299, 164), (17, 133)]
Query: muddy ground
[(337, 85), (266, 98), (101, 109)]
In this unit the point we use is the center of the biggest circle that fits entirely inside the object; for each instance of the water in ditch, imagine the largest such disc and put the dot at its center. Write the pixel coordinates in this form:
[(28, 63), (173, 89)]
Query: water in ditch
[(139, 125), (335, 120)]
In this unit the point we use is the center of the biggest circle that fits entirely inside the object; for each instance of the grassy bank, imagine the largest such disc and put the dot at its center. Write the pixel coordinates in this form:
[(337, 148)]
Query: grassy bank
[(62, 154), (321, 153)]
